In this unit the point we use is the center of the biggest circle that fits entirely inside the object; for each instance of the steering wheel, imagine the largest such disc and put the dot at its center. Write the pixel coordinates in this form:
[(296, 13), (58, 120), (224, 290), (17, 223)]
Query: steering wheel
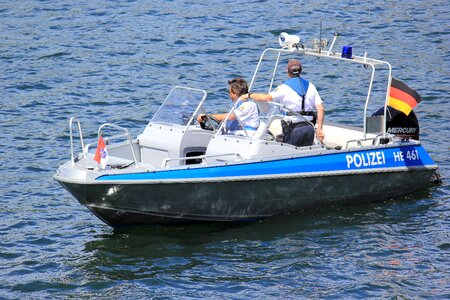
[(206, 122)]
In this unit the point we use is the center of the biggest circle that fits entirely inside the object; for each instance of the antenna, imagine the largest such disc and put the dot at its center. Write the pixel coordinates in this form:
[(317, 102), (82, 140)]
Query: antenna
[(319, 44), (320, 37)]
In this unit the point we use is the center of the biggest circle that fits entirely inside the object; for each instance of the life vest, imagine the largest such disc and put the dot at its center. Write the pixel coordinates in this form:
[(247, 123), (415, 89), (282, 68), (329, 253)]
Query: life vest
[(300, 86)]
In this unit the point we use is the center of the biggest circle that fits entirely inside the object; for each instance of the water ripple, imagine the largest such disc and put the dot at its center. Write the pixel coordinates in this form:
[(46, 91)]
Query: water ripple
[(116, 62)]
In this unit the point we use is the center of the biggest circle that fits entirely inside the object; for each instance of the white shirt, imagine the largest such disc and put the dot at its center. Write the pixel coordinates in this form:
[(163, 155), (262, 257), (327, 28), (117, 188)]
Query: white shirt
[(247, 113), (289, 98)]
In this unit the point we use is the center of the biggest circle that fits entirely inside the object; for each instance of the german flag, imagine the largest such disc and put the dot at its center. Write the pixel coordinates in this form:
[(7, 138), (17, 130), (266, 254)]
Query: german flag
[(402, 97)]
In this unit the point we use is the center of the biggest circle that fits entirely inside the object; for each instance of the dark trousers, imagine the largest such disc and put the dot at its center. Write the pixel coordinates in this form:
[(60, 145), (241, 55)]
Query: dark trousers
[(302, 134)]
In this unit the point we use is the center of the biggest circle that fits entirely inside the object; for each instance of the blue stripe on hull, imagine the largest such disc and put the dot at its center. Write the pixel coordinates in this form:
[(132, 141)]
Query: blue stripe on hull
[(407, 156)]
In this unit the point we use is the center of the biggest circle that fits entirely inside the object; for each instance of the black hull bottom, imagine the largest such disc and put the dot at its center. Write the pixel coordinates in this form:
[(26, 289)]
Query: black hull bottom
[(237, 201), (121, 218)]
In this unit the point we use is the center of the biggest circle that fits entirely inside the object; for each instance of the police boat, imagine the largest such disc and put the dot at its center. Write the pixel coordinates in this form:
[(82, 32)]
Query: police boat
[(178, 171)]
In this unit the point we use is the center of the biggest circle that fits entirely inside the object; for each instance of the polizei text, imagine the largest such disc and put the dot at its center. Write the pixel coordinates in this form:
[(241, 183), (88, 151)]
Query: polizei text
[(367, 159)]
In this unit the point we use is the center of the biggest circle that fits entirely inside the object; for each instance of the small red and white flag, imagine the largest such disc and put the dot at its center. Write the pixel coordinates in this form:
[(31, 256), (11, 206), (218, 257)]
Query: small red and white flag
[(101, 155)]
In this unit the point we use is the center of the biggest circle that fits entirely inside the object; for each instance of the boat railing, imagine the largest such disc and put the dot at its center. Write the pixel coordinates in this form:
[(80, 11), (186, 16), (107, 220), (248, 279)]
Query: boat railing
[(291, 112), (223, 124), (202, 157), (361, 60), (269, 117), (376, 141), (80, 133), (358, 142), (126, 135), (266, 121)]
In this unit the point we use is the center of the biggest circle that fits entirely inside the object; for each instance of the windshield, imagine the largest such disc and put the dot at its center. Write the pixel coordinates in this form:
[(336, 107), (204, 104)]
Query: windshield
[(180, 106)]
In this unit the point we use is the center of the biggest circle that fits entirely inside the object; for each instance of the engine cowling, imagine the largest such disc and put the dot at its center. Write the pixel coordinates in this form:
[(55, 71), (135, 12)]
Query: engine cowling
[(400, 124)]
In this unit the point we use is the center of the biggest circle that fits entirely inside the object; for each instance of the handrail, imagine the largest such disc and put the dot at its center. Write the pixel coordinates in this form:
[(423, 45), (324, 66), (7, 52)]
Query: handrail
[(224, 122), (271, 103), (357, 141), (368, 99), (127, 134), (365, 61), (202, 157), (292, 112), (117, 136), (274, 71), (375, 140), (72, 157)]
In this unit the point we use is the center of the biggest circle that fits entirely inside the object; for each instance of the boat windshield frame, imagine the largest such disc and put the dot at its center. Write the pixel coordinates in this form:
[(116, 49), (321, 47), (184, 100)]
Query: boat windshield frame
[(180, 107), (328, 54)]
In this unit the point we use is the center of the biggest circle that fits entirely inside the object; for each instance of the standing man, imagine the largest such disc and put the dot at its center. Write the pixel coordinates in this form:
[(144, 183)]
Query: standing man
[(301, 96)]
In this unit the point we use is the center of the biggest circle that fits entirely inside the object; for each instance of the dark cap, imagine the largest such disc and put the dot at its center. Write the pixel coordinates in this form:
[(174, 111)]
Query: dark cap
[(294, 67)]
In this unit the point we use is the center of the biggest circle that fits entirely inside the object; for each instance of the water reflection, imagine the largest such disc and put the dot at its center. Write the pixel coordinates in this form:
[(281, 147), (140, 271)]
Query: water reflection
[(351, 236)]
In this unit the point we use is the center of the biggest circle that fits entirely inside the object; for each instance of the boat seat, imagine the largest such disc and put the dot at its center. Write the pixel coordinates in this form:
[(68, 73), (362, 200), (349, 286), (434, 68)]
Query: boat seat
[(262, 128), (275, 126), (272, 127)]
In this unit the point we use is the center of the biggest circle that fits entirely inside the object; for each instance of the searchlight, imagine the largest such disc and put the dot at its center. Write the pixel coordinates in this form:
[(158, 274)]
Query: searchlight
[(288, 40)]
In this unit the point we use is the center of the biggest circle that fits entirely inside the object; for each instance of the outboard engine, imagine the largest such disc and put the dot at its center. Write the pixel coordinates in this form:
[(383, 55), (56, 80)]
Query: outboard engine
[(399, 124)]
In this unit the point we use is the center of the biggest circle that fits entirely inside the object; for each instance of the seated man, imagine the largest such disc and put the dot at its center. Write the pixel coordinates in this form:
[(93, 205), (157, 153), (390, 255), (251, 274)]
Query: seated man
[(246, 112)]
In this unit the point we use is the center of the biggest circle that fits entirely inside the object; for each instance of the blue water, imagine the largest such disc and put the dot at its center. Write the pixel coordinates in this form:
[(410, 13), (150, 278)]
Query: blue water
[(108, 61)]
